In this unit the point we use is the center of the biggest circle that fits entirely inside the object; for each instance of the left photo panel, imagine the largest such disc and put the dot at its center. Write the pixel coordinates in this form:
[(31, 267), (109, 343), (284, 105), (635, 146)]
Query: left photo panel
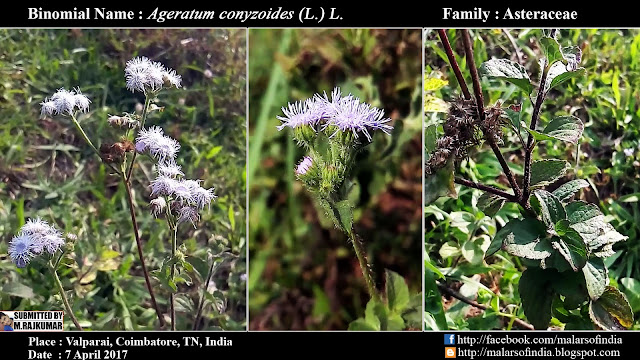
[(123, 195)]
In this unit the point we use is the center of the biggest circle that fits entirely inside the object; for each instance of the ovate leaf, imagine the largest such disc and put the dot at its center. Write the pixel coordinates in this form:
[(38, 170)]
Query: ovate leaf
[(536, 295), (611, 311), (570, 245), (559, 73), (526, 240), (528, 230), (17, 289), (546, 172), (567, 190), (596, 277), (598, 234), (397, 291), (548, 207), (509, 71), (551, 50), (564, 128)]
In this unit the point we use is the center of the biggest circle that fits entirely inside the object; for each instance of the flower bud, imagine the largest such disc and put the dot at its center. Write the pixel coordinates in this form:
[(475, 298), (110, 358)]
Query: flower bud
[(157, 206)]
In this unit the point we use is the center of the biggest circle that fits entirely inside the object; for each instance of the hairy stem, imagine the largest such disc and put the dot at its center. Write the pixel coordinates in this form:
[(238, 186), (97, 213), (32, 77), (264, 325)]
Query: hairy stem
[(172, 297), (489, 189), (88, 141), (454, 64), (446, 290), (477, 89), (67, 306), (145, 110), (136, 232), (367, 273), (534, 121), (196, 323)]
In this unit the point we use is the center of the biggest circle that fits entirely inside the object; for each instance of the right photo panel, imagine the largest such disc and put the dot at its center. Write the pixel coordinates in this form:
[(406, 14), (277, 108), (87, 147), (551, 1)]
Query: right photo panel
[(531, 179), (335, 172)]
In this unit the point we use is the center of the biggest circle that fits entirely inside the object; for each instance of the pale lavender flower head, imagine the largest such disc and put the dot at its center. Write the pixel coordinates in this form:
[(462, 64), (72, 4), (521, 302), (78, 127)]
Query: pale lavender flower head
[(183, 190), (352, 115), (163, 185), (43, 236), (142, 74), (301, 113), (65, 102), (202, 197), (188, 213), (157, 206), (159, 146), (170, 169), (304, 165), (628, 152), (21, 250)]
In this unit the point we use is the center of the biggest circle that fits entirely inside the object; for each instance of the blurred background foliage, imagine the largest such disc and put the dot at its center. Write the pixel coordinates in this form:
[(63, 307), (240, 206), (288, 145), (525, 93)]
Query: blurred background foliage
[(607, 100), (48, 171), (304, 274)]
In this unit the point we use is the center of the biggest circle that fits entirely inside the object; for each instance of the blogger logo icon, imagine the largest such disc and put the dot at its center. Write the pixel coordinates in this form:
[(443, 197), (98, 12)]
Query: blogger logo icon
[(450, 352), (449, 339)]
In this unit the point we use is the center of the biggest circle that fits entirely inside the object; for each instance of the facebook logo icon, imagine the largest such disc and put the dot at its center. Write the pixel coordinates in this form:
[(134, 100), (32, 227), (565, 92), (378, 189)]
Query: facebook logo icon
[(449, 339)]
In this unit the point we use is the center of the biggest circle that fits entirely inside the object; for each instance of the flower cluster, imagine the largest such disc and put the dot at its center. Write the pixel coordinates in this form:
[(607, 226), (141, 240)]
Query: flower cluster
[(64, 102), (35, 237), (345, 113), (144, 75), (158, 145)]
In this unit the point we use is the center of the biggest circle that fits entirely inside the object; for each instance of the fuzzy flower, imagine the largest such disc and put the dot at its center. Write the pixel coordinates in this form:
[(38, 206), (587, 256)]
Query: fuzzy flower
[(188, 213), (300, 113), (43, 236), (170, 169), (349, 114), (202, 197), (159, 146), (20, 250), (157, 206), (304, 165), (123, 121), (163, 185), (65, 102), (142, 74), (628, 152)]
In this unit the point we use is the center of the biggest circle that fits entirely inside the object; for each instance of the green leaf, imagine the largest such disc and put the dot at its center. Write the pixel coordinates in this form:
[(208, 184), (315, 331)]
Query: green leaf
[(345, 214), (572, 286), (596, 277), (598, 234), (546, 172), (435, 104), (430, 138), (17, 289), (509, 71), (551, 50), (611, 311), (433, 302), (490, 204), (412, 314), (523, 238), (370, 313), (559, 73), (567, 190), (397, 291), (548, 207), (526, 231), (434, 83), (632, 291), (440, 184), (570, 245), (536, 296), (361, 325), (564, 128)]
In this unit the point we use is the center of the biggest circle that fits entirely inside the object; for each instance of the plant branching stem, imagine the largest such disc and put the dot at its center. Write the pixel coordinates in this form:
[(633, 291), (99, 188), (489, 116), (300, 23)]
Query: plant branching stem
[(367, 273), (136, 232), (88, 141), (446, 290), (145, 111), (454, 63), (477, 89), (489, 189), (196, 323), (67, 306), (172, 298), (530, 141)]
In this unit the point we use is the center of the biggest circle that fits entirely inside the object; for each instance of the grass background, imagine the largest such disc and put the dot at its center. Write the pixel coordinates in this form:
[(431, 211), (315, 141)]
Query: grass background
[(607, 100), (304, 273), (48, 171)]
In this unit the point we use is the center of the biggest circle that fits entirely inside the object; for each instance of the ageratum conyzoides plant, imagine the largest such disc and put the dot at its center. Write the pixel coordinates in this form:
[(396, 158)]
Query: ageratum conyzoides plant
[(562, 242), (174, 197), (333, 129)]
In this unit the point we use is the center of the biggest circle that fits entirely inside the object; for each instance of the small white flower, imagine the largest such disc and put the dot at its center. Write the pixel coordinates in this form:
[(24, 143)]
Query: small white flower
[(628, 152), (81, 101), (49, 108), (163, 186), (172, 78), (157, 206), (142, 74), (159, 146), (170, 169), (65, 101), (202, 197), (20, 250)]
